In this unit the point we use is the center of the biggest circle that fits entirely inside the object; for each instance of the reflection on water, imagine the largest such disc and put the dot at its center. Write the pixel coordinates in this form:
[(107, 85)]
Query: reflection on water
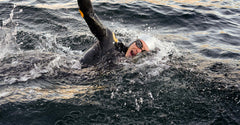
[(172, 3), (178, 3), (56, 93)]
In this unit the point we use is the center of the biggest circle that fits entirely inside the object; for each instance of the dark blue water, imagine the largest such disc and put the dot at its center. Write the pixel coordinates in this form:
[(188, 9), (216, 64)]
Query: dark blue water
[(191, 75)]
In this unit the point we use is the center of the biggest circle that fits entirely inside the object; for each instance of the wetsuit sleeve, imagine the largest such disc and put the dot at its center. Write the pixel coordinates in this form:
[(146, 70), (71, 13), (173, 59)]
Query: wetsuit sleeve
[(106, 38), (87, 12)]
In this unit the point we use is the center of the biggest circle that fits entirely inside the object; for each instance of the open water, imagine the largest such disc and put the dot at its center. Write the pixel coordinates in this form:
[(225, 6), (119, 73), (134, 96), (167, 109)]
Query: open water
[(191, 76)]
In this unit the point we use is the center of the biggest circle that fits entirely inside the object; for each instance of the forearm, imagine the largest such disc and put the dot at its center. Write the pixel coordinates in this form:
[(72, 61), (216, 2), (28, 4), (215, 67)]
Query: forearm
[(87, 12)]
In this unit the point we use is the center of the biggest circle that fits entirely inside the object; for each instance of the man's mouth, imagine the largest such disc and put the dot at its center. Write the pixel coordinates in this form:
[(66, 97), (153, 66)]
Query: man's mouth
[(132, 53)]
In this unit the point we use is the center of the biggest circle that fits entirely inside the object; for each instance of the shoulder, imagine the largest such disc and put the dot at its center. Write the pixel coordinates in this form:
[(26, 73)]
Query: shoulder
[(108, 42)]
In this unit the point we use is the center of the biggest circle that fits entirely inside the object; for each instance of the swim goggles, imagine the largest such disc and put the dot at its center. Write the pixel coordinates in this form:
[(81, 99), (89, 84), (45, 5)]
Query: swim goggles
[(139, 44)]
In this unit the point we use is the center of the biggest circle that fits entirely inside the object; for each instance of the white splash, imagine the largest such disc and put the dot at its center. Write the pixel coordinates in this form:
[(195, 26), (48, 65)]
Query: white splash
[(10, 19), (7, 36)]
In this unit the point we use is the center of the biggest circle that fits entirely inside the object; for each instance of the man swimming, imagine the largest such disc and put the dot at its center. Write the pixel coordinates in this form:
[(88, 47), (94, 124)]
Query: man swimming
[(108, 47)]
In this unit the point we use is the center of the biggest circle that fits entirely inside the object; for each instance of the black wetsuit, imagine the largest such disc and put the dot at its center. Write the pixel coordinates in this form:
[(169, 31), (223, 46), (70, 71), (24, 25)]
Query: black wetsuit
[(107, 48)]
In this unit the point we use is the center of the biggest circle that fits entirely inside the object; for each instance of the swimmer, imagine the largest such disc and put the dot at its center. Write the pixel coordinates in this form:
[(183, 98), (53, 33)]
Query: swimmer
[(107, 47)]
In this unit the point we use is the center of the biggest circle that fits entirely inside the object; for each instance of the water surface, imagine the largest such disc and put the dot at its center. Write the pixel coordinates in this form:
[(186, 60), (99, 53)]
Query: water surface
[(191, 76)]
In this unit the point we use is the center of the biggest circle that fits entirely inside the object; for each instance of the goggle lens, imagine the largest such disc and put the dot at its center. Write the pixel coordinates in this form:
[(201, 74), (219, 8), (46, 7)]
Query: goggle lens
[(139, 44)]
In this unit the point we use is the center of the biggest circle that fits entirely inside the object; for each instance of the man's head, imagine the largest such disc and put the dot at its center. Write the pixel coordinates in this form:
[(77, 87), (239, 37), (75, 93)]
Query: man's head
[(136, 47)]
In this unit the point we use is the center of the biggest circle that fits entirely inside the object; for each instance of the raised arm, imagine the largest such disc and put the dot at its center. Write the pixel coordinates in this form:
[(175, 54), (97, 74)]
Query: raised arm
[(106, 38), (87, 12)]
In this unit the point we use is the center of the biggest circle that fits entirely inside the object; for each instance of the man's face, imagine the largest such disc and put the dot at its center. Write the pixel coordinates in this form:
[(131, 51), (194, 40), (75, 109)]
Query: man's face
[(136, 47)]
